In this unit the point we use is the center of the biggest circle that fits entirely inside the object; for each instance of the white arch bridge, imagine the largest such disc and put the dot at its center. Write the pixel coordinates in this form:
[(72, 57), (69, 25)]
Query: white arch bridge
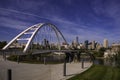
[(29, 35)]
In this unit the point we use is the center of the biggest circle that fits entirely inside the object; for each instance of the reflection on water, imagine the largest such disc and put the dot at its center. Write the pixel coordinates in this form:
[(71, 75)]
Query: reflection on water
[(99, 61), (102, 61)]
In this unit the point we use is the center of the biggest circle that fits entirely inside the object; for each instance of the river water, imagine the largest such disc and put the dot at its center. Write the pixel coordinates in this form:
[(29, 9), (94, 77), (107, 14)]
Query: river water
[(102, 61)]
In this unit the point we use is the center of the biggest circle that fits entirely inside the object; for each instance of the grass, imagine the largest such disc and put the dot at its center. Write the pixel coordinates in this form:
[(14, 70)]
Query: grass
[(99, 72)]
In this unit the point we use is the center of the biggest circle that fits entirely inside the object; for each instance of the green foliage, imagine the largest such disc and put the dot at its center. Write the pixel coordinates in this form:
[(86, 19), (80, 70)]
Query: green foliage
[(117, 59), (101, 51), (2, 44), (95, 53), (29, 56), (12, 58), (99, 72)]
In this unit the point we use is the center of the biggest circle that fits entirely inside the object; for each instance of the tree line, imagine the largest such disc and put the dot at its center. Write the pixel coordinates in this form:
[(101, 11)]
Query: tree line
[(2, 44)]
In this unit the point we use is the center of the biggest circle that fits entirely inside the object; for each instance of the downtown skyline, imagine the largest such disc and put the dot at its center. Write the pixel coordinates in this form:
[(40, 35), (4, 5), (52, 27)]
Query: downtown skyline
[(87, 19)]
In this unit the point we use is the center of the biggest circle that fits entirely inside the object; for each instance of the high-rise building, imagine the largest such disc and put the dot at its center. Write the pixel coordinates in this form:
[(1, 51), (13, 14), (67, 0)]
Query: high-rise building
[(105, 43), (115, 47), (86, 43), (77, 40), (93, 44), (90, 46), (46, 43), (74, 44), (98, 46)]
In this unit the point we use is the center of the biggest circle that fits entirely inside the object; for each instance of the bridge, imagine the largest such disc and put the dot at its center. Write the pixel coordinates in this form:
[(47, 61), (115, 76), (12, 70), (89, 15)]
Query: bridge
[(44, 35), (38, 39), (29, 34)]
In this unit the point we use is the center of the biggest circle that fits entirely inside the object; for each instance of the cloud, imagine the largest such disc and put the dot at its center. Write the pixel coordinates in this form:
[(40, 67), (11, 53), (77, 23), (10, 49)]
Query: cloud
[(69, 29), (96, 21), (109, 9), (12, 23), (18, 20), (9, 12)]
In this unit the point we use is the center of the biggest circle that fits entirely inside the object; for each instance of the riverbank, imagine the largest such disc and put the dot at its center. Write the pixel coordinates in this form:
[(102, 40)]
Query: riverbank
[(99, 72), (23, 71)]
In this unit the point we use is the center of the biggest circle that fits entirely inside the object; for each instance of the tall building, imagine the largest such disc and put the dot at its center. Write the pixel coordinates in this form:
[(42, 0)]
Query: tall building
[(86, 43), (74, 44), (93, 44), (77, 40), (90, 46), (115, 47), (98, 46), (46, 43), (105, 43)]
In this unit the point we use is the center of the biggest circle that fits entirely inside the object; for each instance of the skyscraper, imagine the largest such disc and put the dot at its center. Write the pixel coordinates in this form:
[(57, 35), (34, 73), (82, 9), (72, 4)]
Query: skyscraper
[(86, 43), (105, 43), (77, 40), (93, 44)]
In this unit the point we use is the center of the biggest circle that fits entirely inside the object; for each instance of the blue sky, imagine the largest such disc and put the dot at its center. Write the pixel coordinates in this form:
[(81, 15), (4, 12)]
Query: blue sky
[(87, 19)]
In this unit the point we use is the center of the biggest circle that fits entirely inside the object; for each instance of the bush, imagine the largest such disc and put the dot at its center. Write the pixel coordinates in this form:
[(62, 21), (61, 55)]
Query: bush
[(117, 59), (101, 51), (12, 58)]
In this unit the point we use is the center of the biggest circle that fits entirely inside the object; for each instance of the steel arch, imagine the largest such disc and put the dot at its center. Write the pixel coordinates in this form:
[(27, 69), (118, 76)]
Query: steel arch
[(36, 28)]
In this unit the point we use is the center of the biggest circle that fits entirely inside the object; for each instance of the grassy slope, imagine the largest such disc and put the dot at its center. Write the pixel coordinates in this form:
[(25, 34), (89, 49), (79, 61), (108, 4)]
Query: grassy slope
[(99, 72)]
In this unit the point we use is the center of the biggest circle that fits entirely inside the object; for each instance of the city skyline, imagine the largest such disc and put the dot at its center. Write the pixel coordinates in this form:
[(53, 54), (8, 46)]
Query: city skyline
[(87, 19)]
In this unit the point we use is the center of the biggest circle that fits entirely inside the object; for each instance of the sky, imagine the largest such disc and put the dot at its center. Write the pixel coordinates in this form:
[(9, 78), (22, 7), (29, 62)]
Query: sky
[(87, 19)]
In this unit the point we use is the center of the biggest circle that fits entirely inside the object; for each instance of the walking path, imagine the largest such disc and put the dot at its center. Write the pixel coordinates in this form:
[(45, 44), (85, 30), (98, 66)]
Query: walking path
[(24, 71)]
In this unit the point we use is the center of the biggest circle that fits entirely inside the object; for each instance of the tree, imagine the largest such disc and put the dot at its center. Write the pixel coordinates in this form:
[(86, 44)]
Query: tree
[(2, 44), (101, 51), (117, 59)]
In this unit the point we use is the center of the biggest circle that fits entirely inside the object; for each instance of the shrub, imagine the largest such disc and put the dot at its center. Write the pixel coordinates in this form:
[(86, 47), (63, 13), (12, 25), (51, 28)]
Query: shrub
[(12, 57)]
